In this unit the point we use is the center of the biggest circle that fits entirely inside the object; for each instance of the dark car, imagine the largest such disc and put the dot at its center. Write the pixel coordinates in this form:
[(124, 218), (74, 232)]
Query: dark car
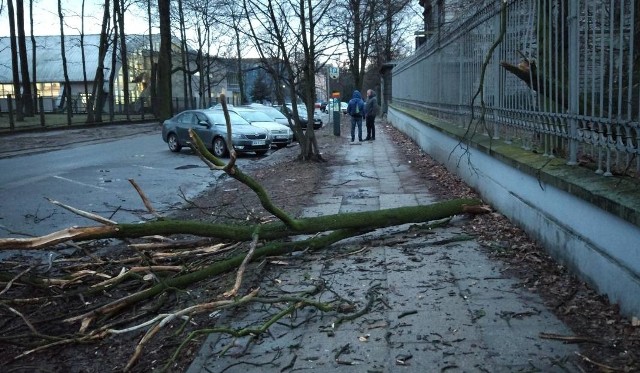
[(302, 113), (211, 126)]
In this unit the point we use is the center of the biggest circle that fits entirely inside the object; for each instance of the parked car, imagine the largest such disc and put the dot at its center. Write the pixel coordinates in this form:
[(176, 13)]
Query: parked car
[(273, 113), (280, 134), (211, 126), (343, 107), (287, 110)]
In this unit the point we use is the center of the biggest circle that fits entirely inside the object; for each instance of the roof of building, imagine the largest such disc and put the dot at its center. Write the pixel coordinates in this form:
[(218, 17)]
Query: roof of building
[(49, 59)]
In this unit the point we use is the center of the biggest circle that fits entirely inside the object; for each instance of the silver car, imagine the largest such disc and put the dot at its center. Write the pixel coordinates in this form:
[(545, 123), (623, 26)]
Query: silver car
[(273, 113), (210, 125), (281, 135)]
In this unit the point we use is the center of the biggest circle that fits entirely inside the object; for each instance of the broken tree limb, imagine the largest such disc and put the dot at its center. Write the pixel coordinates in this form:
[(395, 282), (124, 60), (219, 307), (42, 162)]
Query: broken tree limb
[(144, 198), (243, 266), (82, 213), (368, 220), (202, 151)]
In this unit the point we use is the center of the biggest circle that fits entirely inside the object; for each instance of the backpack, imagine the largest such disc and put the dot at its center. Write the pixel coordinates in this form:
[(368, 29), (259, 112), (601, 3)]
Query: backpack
[(358, 107)]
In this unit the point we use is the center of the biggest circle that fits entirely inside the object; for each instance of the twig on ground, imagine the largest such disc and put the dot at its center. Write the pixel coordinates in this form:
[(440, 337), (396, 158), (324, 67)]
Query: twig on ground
[(569, 338), (606, 368), (8, 286)]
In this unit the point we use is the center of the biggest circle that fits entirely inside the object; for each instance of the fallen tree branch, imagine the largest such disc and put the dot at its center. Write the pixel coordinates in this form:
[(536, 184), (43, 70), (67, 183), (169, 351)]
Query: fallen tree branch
[(144, 198), (368, 220), (83, 213), (190, 310), (242, 268)]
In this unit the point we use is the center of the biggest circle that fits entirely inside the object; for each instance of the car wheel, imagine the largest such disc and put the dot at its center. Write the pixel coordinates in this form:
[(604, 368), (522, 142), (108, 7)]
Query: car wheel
[(172, 141), (261, 152), (219, 147)]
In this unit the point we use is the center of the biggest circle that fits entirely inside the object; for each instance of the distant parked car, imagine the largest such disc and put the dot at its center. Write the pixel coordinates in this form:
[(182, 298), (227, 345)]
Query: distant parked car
[(272, 112), (211, 126), (281, 135), (343, 107), (287, 110)]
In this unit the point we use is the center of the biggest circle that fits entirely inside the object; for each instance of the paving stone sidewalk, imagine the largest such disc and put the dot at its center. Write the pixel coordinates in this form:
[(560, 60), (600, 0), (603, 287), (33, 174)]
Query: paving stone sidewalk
[(437, 302)]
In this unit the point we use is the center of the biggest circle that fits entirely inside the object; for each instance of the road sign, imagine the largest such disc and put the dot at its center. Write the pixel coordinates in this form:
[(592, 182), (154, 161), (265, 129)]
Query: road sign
[(334, 72)]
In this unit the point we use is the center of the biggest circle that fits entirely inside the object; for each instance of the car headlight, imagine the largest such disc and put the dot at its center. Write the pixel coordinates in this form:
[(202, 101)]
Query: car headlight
[(237, 136)]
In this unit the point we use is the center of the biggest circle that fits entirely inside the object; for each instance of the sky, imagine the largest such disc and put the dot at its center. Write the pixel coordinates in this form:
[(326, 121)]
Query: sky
[(47, 22)]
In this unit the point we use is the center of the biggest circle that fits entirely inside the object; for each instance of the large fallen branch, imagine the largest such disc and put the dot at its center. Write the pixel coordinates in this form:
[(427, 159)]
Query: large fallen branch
[(277, 230)]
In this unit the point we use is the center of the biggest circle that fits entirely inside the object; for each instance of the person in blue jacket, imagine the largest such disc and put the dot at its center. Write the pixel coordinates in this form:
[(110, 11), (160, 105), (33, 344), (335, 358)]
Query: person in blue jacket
[(355, 108)]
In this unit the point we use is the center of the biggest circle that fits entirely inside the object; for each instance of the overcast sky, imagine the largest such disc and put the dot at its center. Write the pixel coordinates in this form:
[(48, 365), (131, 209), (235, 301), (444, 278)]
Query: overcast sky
[(46, 21)]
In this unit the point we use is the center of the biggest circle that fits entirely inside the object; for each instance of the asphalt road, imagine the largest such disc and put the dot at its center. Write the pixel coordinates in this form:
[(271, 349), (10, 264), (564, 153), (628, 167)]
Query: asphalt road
[(89, 169)]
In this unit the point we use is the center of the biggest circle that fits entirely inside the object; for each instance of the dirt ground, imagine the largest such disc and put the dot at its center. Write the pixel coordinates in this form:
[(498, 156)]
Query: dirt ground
[(33, 313)]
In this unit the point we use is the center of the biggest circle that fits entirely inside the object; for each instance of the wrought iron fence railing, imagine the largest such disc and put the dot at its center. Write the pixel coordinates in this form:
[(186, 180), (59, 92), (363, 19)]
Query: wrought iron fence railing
[(47, 111), (565, 79)]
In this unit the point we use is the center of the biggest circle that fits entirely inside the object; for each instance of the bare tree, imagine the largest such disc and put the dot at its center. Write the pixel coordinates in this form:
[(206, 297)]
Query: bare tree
[(119, 8), (287, 33), (67, 85), (14, 62), (83, 56), (114, 61), (27, 97), (34, 89), (96, 100), (163, 107), (186, 77)]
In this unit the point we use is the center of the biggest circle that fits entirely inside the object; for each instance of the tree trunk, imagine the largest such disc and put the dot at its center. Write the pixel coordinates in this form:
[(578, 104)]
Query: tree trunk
[(34, 89), (119, 10), (27, 96), (152, 65), (114, 64), (243, 95), (67, 83), (97, 93), (183, 56), (163, 108), (84, 61), (14, 62)]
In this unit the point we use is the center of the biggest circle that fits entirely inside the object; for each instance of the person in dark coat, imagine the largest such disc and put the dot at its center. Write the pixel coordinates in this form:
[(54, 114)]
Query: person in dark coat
[(355, 108), (370, 112)]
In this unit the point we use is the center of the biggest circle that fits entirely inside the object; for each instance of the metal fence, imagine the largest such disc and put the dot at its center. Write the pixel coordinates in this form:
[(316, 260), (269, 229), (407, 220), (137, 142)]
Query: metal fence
[(564, 80), (139, 109)]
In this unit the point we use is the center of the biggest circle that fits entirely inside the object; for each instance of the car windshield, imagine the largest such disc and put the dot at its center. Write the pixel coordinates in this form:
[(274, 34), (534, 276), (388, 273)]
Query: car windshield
[(217, 117), (255, 116)]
